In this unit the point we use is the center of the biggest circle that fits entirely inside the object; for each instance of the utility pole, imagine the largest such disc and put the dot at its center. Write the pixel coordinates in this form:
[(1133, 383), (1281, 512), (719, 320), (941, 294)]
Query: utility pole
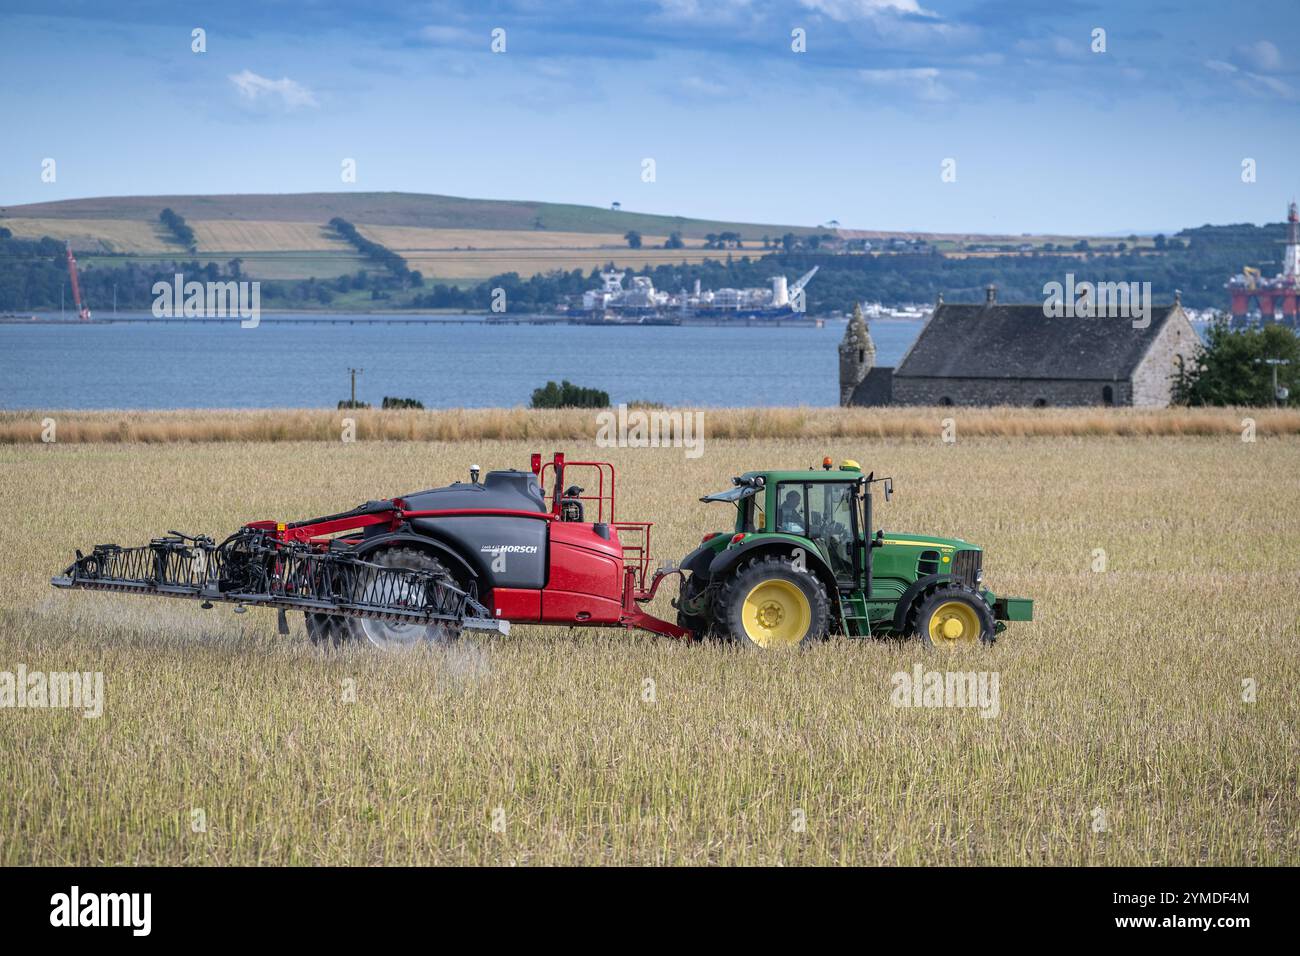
[(1279, 394), (357, 371)]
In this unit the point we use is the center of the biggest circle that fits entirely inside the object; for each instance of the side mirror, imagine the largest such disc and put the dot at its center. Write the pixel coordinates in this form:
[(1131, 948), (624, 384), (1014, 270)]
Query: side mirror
[(889, 488)]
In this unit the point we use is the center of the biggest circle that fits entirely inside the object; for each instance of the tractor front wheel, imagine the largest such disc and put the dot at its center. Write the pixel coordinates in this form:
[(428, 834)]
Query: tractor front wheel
[(771, 603), (952, 615)]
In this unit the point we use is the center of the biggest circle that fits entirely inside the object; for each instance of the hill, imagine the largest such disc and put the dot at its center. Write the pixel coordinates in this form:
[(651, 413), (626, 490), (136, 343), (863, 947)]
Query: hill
[(283, 236), (541, 253), (391, 209)]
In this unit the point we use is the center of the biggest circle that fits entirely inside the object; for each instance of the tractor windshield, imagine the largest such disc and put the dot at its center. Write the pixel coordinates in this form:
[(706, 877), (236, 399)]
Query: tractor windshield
[(823, 511)]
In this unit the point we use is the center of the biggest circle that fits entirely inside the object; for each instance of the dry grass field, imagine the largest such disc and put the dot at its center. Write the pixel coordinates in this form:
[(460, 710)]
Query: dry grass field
[(295, 250), (236, 236), (1122, 737), (110, 235), (406, 239), (484, 263), (503, 424), (480, 253)]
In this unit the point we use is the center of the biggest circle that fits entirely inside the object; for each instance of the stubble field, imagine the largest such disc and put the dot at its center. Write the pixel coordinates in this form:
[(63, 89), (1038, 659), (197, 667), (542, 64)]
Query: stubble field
[(1126, 733)]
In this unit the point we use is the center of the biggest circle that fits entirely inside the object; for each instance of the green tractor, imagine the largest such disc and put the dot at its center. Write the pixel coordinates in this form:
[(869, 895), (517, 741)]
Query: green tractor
[(803, 563)]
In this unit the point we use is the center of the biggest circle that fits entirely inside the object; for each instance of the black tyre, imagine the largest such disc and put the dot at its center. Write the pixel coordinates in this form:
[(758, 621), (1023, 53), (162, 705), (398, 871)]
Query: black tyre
[(952, 615), (390, 636), (770, 603), (329, 631)]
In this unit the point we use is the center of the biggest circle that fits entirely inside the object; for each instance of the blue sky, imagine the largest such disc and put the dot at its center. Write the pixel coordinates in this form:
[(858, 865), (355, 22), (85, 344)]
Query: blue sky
[(1047, 135)]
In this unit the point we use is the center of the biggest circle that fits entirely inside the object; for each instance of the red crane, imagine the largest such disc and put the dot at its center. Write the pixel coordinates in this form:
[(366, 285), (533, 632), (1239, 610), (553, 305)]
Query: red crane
[(83, 311)]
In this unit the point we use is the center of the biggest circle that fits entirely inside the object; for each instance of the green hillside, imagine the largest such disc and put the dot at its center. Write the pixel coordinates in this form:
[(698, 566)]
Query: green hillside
[(392, 209)]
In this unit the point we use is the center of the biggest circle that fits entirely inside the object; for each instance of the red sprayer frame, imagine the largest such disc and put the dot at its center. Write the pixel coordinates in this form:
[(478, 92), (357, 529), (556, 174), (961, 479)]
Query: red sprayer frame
[(635, 589), (636, 554)]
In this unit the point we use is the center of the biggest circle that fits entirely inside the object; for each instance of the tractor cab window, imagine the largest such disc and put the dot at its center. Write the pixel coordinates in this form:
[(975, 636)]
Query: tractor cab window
[(833, 526), (825, 512), (792, 508)]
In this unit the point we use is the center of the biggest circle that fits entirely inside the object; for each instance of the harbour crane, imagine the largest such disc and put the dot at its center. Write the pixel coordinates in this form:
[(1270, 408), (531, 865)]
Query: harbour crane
[(802, 281), (83, 311)]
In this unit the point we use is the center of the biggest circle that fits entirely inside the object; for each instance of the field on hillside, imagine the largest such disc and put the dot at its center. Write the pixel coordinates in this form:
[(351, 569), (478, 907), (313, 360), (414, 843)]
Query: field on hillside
[(479, 253), (1122, 734), (484, 263), (216, 235), (298, 250), (394, 209), (448, 239), (102, 235), (406, 239)]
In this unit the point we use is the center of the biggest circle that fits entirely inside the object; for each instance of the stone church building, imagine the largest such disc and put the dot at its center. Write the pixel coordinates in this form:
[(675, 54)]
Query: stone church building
[(996, 354)]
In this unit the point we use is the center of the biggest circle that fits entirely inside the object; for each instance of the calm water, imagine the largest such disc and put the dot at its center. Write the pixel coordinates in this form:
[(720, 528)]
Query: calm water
[(178, 365)]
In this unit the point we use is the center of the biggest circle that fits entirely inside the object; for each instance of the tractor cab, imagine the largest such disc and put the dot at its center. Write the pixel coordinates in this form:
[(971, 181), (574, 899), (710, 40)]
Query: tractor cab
[(829, 508), (805, 559)]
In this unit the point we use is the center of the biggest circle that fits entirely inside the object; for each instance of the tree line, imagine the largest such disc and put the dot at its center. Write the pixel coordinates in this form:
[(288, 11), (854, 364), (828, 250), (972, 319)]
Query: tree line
[(1197, 263), (32, 273), (379, 254), (181, 231), (34, 276)]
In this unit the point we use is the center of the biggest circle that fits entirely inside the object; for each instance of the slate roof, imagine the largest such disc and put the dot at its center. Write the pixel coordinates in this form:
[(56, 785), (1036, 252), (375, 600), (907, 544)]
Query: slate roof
[(992, 340), (877, 388)]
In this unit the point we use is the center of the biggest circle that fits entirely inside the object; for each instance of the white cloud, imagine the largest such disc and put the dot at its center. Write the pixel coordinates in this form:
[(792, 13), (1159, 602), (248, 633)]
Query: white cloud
[(1253, 83), (704, 10), (924, 82), (1070, 48), (845, 10), (699, 86), (1055, 46), (1262, 56), (983, 59), (290, 93), (452, 36), (1276, 86), (895, 24)]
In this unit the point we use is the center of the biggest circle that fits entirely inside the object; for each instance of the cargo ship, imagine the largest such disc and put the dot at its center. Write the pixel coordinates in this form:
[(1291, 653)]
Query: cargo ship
[(642, 304)]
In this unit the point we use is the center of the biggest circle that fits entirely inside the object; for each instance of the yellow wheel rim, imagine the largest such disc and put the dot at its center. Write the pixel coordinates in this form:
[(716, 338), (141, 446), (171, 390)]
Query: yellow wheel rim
[(776, 613), (954, 622)]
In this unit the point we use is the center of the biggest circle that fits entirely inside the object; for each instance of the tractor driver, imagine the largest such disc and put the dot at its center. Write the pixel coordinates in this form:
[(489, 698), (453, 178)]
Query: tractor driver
[(789, 516)]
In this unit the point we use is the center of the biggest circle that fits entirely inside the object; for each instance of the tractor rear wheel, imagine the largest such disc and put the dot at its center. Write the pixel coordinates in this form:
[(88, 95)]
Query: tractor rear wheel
[(953, 615), (770, 603), (329, 631), (391, 636)]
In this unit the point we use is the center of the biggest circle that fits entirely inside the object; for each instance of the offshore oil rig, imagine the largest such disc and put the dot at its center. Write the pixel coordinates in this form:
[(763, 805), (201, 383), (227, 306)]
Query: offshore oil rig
[(1271, 293)]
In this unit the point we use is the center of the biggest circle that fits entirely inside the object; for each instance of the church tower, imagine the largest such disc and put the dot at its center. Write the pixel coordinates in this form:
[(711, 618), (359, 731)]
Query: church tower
[(857, 355)]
